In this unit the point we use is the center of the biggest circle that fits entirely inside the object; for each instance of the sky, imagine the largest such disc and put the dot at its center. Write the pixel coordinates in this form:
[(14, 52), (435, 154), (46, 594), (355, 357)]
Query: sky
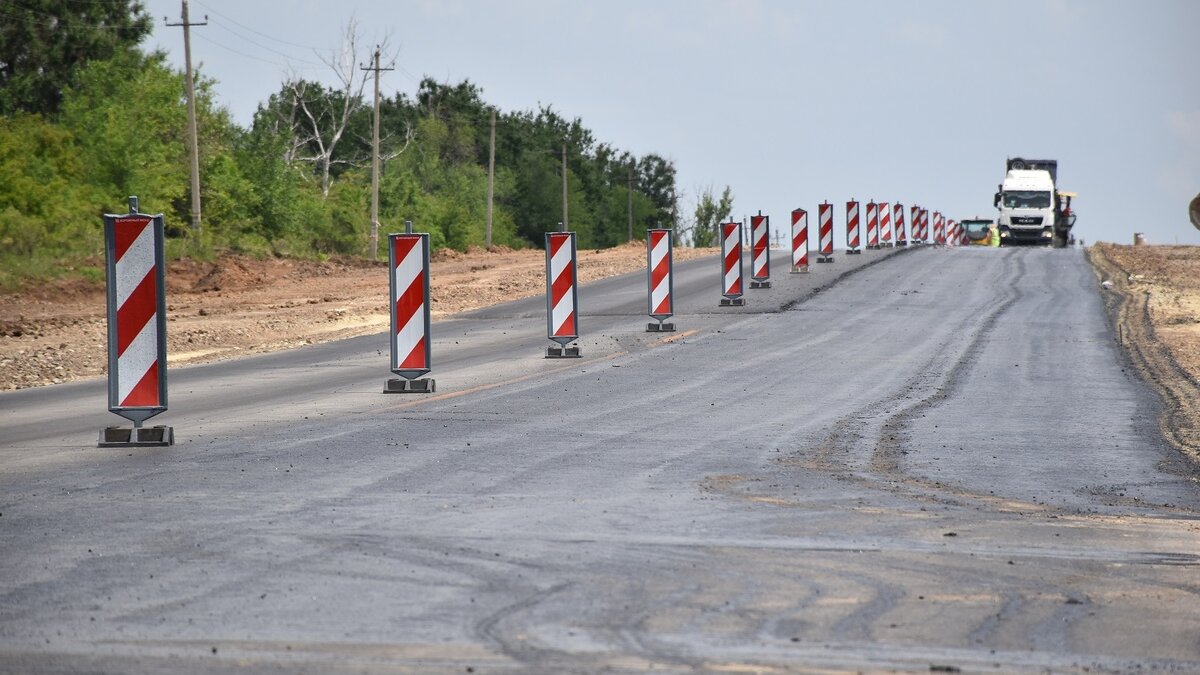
[(790, 103)]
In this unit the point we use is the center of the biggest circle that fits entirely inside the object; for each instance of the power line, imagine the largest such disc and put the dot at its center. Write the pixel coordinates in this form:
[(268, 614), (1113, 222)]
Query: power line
[(285, 55)]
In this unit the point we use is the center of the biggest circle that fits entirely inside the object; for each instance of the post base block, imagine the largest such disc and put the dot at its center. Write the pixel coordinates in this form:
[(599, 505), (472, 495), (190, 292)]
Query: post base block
[(874, 248), (760, 284), (424, 385), (803, 269), (660, 328), (853, 251), (826, 259), (563, 352), (733, 302), (141, 437), (901, 243)]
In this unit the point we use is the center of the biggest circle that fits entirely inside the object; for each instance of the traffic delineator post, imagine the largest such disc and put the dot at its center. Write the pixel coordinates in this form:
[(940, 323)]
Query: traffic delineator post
[(411, 341), (660, 277), (799, 241), (872, 225), (760, 251), (137, 327), (898, 216), (562, 295), (825, 232), (885, 225), (731, 265), (852, 228)]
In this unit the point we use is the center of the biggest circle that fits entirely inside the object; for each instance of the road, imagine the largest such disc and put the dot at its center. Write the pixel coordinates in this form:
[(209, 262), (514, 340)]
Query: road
[(939, 461)]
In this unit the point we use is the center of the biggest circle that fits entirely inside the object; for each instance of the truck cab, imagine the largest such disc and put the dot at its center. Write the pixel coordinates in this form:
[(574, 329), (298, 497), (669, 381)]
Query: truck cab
[(1032, 210), (1026, 204)]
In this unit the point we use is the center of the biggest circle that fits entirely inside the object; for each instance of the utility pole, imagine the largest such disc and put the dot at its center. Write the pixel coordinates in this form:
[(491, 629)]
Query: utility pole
[(375, 161), (629, 201), (566, 226), (191, 108), (491, 178)]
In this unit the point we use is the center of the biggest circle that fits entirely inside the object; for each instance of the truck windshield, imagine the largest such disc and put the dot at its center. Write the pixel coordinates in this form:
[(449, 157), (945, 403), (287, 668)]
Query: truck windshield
[(976, 227), (1027, 199)]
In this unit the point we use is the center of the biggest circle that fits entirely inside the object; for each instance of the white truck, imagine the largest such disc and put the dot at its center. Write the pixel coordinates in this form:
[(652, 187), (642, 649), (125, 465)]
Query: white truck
[(1032, 209)]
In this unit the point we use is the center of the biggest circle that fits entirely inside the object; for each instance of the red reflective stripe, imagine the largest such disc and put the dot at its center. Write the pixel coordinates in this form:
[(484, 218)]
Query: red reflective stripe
[(731, 259), (660, 271), (557, 241), (145, 394), (138, 309), (410, 300), (125, 232), (403, 246), (562, 284)]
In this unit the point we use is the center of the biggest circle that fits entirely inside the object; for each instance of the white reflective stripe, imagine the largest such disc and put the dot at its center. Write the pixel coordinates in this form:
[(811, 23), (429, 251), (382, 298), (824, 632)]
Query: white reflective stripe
[(760, 261), (659, 292), (731, 277), (139, 356), (137, 262), (799, 226), (410, 333), (562, 311), (659, 251), (731, 242), (560, 261), (410, 268)]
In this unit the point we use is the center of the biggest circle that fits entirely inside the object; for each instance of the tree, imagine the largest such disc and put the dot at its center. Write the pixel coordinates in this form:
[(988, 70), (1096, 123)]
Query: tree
[(44, 44), (319, 117), (709, 213)]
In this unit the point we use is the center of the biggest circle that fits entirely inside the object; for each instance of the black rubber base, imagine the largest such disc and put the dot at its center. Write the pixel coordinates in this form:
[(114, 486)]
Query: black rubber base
[(128, 437), (733, 302), (563, 353), (423, 385), (666, 327)]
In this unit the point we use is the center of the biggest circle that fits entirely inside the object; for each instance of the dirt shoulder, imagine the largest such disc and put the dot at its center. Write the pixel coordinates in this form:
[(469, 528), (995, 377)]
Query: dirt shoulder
[(239, 305), (1153, 293)]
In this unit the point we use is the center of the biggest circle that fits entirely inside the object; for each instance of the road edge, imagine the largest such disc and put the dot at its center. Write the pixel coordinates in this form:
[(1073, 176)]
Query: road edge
[(1129, 315)]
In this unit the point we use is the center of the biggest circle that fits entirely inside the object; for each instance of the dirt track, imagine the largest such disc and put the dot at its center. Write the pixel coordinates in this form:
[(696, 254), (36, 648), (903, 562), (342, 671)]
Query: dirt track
[(1154, 295)]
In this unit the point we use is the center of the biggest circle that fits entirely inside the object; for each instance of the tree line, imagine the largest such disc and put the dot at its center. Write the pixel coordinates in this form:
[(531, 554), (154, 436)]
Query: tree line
[(89, 118)]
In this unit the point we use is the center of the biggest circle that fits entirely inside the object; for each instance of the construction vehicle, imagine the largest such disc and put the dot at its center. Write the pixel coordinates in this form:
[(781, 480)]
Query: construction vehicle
[(1194, 212), (1032, 209), (978, 231)]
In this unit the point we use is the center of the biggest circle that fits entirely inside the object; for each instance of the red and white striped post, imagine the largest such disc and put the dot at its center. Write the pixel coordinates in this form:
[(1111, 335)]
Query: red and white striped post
[(562, 295), (925, 225), (885, 224), (825, 232), (939, 229), (852, 228), (137, 327), (952, 229), (760, 249), (872, 225), (731, 265), (898, 216), (411, 343), (799, 241), (915, 213), (660, 279)]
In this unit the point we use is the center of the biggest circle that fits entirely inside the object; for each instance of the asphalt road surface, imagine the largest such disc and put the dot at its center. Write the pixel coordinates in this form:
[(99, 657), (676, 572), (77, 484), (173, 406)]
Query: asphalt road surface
[(906, 460)]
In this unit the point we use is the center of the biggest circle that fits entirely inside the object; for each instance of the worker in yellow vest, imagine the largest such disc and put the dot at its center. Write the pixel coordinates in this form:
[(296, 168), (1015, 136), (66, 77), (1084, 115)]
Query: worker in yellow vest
[(993, 235)]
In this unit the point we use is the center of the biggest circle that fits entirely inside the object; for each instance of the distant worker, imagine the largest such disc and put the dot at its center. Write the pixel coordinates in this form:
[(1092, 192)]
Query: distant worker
[(993, 236)]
